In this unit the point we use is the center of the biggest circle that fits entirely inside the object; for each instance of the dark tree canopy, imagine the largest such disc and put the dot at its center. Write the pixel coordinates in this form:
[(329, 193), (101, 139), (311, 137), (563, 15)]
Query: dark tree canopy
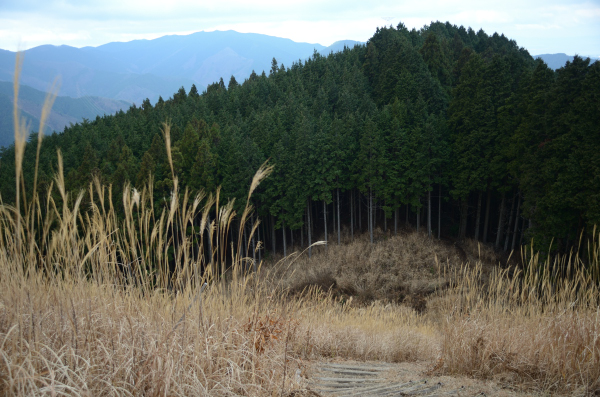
[(392, 124)]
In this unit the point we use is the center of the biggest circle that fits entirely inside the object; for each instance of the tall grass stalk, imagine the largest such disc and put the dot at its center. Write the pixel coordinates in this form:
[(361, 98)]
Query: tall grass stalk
[(538, 327)]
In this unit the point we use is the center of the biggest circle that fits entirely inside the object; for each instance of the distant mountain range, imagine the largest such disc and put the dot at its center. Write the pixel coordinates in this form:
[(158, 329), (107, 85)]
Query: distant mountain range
[(104, 79), (65, 111), (140, 69), (557, 61)]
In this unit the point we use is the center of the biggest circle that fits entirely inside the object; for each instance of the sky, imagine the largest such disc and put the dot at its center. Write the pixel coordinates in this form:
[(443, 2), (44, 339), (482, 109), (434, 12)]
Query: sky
[(541, 26)]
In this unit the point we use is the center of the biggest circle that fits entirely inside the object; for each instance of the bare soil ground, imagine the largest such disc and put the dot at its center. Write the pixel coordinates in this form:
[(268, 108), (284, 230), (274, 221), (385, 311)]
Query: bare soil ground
[(374, 378)]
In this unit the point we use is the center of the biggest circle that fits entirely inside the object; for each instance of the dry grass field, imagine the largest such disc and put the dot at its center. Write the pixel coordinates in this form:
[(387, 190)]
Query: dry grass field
[(93, 304)]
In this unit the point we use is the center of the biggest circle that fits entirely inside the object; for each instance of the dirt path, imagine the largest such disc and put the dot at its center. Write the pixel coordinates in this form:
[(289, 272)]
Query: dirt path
[(377, 379)]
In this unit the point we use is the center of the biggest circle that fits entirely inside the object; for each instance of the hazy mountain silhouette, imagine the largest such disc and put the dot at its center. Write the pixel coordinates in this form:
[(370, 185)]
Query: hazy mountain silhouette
[(65, 111), (557, 61), (140, 69)]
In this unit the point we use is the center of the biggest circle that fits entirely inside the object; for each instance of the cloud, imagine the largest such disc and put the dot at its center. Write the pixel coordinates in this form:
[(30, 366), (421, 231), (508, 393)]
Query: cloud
[(537, 26), (95, 22), (484, 16)]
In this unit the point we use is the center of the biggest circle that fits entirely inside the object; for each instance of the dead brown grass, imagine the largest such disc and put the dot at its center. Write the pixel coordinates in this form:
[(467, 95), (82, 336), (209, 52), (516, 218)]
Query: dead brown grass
[(93, 340), (540, 329), (90, 304), (536, 329), (404, 268), (476, 251)]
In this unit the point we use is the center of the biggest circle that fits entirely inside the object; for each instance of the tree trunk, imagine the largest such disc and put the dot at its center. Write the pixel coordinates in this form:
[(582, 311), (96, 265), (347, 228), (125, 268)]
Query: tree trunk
[(325, 222), (440, 213), (514, 239), (313, 216), (510, 220), (359, 204), (273, 234), (302, 237), (309, 230), (384, 219), (352, 214), (292, 239), (284, 239), (429, 212), (478, 218), (338, 215), (522, 232), (371, 214), (333, 221), (419, 217), (500, 221), (464, 213), (406, 219), (396, 221), (487, 214)]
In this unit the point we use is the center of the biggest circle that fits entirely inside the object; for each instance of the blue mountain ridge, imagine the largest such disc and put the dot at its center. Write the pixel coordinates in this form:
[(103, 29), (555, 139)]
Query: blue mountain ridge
[(66, 110), (557, 61), (140, 69)]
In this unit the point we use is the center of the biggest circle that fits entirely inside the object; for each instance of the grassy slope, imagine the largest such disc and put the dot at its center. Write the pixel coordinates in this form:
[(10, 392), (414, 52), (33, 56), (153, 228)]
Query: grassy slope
[(83, 334), (90, 306)]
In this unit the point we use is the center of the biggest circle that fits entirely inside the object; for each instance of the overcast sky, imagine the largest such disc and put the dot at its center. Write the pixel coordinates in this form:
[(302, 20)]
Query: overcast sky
[(541, 26)]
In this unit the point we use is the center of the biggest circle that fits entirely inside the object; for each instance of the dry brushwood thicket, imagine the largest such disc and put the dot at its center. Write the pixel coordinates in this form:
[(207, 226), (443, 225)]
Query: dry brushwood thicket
[(404, 268), (96, 303)]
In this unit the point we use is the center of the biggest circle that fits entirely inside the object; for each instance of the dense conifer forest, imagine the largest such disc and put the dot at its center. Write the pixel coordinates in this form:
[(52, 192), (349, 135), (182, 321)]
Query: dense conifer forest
[(455, 132)]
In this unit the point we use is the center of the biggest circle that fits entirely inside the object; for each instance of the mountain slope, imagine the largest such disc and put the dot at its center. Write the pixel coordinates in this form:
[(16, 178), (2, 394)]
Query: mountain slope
[(416, 123), (140, 69), (86, 75), (184, 55), (66, 110)]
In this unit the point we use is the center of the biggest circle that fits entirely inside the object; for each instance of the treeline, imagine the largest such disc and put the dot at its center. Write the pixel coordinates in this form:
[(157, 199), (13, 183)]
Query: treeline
[(444, 128)]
